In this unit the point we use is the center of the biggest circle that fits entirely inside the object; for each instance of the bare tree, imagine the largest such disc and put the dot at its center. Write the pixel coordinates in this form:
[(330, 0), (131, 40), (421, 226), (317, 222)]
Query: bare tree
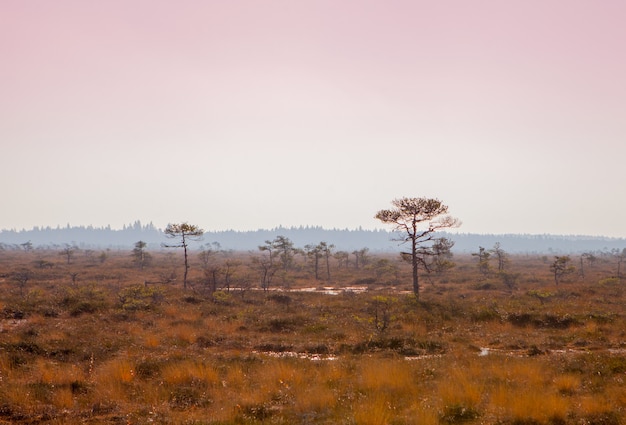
[(285, 250), (269, 248), (208, 254), (315, 254), (483, 260), (243, 284), (384, 267), (210, 268), (140, 256), (620, 256), (442, 255), (211, 276), (590, 259), (500, 255), (417, 219), (509, 279), (185, 233), (22, 276), (360, 257), (230, 270), (326, 251), (68, 252), (266, 270), (561, 267), (342, 258)]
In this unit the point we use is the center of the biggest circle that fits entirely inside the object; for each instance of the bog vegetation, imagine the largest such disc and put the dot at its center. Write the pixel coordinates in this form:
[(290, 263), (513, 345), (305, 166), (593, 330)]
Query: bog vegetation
[(309, 336)]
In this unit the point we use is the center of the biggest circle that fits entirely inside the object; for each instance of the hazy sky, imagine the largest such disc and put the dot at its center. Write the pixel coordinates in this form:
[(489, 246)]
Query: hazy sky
[(238, 114)]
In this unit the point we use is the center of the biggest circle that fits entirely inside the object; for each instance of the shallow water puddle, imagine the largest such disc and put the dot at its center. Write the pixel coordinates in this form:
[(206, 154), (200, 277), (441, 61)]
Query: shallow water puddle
[(293, 354)]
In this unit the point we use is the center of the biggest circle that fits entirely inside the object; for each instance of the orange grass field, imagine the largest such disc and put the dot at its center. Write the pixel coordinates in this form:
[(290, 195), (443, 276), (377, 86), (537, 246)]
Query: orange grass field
[(90, 343)]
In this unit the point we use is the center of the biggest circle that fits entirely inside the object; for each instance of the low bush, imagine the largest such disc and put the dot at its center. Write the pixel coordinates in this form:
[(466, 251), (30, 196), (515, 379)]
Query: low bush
[(547, 320), (84, 300), (458, 413), (609, 281), (139, 297), (485, 314)]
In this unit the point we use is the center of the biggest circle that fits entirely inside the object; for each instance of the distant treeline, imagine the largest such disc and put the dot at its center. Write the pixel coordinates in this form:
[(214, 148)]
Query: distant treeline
[(343, 239)]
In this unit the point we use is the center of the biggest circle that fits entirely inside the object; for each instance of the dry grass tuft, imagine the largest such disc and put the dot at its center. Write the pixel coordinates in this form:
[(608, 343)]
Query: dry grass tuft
[(567, 384), (189, 372)]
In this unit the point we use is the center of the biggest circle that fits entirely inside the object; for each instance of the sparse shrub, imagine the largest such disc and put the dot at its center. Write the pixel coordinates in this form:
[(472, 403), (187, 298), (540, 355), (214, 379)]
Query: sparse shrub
[(609, 281), (533, 350), (381, 310), (317, 349), (221, 297), (281, 325), (274, 347), (615, 364), (315, 328), (41, 391), (403, 346), (484, 286), (192, 299), (205, 342), (280, 299), (520, 319), (139, 297), (22, 276), (26, 347), (365, 281), (509, 279), (602, 418), (542, 296), (550, 321), (84, 300), (146, 369), (458, 413), (603, 318), (485, 314), (554, 321), (12, 313), (258, 412), (183, 398), (285, 324)]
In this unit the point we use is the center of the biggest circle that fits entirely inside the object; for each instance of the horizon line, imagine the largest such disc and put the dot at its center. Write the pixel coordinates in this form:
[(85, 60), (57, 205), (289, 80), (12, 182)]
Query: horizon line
[(130, 226)]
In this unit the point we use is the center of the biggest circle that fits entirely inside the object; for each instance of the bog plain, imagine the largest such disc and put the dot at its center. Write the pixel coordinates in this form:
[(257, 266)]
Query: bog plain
[(95, 339)]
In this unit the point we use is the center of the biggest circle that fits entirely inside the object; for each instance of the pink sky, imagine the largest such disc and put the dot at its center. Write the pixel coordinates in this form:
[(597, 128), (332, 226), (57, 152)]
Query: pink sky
[(313, 112)]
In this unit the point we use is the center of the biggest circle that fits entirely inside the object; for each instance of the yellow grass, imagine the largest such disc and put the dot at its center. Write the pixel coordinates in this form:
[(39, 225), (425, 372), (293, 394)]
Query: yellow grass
[(63, 398), (463, 385), (182, 333), (187, 372), (528, 403), (151, 341), (113, 378), (191, 360), (316, 397), (56, 373), (567, 384), (375, 410), (394, 376)]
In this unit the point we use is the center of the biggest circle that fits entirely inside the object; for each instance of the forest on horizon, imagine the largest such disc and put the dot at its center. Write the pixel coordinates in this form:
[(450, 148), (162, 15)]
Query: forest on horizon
[(376, 240)]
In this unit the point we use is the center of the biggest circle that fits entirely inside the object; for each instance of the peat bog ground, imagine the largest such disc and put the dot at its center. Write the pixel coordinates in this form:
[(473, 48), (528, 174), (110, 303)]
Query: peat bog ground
[(96, 338)]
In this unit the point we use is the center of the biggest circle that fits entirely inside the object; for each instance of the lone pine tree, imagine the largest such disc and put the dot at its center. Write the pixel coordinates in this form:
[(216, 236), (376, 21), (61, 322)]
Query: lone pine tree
[(417, 219)]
